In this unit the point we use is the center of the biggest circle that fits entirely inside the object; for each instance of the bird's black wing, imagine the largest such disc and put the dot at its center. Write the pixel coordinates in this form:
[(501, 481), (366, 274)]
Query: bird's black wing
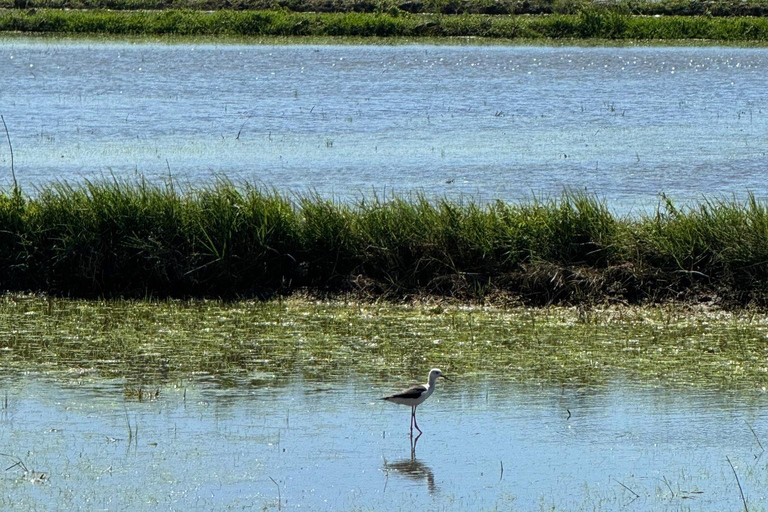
[(413, 392)]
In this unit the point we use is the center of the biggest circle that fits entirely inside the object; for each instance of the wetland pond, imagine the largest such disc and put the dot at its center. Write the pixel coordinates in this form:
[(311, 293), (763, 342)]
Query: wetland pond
[(494, 122), (274, 406)]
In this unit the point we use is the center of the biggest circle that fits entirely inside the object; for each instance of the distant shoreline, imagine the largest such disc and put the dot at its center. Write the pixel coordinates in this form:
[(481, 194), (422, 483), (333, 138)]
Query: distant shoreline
[(588, 24), (718, 8)]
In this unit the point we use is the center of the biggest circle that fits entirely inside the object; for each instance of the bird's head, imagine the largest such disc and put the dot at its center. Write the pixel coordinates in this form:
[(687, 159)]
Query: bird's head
[(435, 374)]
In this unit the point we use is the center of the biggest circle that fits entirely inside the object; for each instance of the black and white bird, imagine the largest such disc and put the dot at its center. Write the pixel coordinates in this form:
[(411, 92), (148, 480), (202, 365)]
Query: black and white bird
[(415, 395)]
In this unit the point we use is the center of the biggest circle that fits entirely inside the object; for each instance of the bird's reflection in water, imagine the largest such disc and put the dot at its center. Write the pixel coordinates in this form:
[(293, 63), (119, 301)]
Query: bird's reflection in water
[(412, 468)]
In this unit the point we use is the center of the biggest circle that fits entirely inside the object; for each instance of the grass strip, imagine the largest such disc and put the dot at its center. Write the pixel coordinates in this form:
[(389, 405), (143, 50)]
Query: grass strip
[(586, 24), (137, 239), (718, 8)]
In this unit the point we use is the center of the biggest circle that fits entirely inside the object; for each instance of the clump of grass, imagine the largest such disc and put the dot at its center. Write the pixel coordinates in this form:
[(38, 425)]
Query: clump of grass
[(141, 395), (721, 243), (139, 238), (136, 239), (328, 240), (419, 243)]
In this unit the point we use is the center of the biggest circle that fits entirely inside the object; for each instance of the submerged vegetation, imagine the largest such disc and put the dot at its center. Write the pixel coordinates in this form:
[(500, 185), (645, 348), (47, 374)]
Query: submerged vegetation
[(137, 239), (578, 23), (269, 343)]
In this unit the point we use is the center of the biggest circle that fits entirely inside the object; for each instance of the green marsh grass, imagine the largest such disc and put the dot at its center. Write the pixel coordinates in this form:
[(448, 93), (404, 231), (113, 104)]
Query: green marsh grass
[(718, 8), (138, 239), (589, 23)]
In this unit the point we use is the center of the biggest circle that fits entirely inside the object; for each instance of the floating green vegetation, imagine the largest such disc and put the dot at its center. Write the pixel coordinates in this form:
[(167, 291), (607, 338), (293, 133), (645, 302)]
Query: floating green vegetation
[(273, 342), (136, 239), (583, 24)]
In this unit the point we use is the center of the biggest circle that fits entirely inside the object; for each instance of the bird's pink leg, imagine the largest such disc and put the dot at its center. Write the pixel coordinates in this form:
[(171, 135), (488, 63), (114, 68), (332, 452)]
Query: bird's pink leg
[(414, 420), (413, 417)]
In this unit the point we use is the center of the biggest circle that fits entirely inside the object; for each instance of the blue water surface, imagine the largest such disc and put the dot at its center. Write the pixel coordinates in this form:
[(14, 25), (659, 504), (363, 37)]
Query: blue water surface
[(488, 444), (493, 122)]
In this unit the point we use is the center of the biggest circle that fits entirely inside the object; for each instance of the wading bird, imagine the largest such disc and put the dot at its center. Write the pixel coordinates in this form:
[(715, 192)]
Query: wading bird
[(415, 395)]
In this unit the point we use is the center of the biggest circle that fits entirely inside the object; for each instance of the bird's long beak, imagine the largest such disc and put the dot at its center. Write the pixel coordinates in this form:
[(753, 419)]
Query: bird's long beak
[(446, 378)]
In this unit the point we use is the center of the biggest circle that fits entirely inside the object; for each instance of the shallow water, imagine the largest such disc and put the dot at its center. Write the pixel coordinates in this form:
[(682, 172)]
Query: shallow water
[(331, 445), (492, 121)]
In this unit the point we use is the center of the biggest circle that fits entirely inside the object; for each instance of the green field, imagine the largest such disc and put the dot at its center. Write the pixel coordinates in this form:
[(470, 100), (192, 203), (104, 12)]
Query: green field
[(136, 239)]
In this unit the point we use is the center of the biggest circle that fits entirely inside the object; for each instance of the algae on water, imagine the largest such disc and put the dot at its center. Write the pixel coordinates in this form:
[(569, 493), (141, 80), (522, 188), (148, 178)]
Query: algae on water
[(150, 342)]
